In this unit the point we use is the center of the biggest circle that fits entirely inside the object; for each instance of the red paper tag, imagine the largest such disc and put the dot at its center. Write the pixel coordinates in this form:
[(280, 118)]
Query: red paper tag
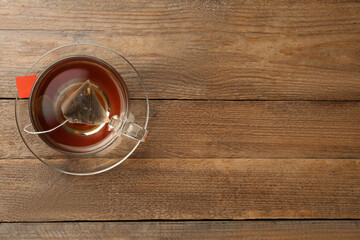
[(24, 85)]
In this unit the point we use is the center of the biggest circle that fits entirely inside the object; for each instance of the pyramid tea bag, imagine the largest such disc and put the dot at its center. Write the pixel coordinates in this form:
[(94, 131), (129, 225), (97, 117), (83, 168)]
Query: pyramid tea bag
[(83, 106)]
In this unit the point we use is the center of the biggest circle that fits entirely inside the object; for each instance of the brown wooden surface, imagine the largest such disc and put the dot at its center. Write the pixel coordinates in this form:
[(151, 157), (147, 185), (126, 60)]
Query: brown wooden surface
[(277, 230), (293, 157), (144, 189)]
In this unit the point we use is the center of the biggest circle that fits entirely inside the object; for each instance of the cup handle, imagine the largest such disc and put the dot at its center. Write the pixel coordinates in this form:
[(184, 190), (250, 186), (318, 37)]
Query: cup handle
[(129, 129), (135, 131)]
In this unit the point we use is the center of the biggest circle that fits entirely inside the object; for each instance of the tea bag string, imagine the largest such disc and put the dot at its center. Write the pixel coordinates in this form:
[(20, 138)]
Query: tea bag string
[(42, 132)]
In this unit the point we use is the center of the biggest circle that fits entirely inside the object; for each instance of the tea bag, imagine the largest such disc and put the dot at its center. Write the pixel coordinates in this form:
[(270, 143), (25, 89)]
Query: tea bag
[(83, 106)]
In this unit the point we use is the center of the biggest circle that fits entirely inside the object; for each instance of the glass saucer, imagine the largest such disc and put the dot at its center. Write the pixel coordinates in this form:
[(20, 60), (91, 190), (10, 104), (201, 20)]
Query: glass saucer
[(125, 139)]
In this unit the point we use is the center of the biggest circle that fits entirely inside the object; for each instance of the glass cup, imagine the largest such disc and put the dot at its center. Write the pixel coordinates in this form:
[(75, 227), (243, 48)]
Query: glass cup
[(70, 149)]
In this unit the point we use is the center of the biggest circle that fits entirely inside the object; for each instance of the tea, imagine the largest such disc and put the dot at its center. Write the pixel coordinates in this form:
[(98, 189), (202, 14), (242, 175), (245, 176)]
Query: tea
[(57, 83)]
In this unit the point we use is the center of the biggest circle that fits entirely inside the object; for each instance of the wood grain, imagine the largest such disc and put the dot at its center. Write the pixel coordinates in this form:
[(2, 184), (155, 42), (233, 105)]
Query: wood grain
[(217, 159), (267, 50), (183, 189), (232, 129), (246, 230)]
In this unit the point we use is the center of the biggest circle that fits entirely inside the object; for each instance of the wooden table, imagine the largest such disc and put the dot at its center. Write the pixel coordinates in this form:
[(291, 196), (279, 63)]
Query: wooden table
[(254, 124)]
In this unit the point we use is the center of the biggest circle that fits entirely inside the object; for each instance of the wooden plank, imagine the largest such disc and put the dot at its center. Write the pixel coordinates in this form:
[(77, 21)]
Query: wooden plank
[(246, 230), (183, 189), (269, 50), (232, 129), (165, 16)]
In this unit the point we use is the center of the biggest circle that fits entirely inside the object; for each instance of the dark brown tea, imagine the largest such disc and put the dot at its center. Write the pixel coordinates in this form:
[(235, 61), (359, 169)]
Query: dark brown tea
[(57, 83)]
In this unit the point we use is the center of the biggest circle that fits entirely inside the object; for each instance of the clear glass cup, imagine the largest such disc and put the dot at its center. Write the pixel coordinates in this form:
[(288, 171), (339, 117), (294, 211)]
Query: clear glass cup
[(128, 129)]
